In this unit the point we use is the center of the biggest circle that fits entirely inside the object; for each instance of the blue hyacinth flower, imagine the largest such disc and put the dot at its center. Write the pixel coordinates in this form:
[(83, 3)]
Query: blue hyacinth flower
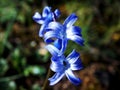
[(46, 17), (63, 32), (63, 66)]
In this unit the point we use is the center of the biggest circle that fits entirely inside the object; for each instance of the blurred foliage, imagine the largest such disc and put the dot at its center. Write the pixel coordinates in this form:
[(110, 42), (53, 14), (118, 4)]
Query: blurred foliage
[(9, 10), (24, 62), (8, 85), (3, 66)]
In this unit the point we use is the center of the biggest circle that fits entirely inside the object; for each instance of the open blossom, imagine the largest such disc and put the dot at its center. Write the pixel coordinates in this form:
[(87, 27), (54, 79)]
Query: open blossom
[(46, 17), (56, 35), (64, 32), (63, 66)]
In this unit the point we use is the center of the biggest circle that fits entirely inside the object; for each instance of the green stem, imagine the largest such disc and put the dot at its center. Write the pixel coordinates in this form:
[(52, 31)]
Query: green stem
[(46, 80)]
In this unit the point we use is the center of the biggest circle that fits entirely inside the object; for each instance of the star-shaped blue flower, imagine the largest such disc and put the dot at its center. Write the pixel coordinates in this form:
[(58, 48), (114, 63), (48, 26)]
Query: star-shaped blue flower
[(46, 17), (64, 32), (63, 66)]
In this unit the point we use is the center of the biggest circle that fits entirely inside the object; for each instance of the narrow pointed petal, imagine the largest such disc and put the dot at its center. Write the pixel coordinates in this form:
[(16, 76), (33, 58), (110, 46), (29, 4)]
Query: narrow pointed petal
[(70, 20), (72, 77), (56, 78), (53, 50), (37, 15), (57, 64), (77, 65), (63, 46), (72, 57), (78, 39), (51, 35), (46, 11), (38, 18), (53, 32), (57, 43), (55, 26), (73, 30), (42, 30), (57, 13)]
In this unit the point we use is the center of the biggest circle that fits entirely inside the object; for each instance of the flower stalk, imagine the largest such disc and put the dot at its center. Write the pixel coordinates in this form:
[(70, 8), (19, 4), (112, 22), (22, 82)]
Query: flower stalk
[(46, 80)]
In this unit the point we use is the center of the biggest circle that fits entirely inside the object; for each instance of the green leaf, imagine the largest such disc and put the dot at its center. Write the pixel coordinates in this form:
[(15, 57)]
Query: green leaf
[(3, 66), (7, 85), (35, 70)]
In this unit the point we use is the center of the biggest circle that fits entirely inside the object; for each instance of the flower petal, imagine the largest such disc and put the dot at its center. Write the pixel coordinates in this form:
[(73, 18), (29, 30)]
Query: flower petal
[(56, 78), (55, 26), (72, 77), (42, 30), (57, 13), (50, 36), (57, 43), (38, 18), (72, 57), (77, 39), (52, 49), (57, 64), (77, 65), (70, 20), (63, 46), (73, 30), (46, 11), (37, 15), (74, 61)]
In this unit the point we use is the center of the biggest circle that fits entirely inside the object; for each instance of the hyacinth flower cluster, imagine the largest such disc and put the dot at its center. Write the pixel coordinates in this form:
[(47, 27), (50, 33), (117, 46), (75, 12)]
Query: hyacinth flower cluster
[(56, 36)]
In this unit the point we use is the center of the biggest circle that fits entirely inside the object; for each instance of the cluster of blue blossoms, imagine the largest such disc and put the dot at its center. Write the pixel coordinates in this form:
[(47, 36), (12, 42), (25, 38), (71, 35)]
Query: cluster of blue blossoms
[(56, 36)]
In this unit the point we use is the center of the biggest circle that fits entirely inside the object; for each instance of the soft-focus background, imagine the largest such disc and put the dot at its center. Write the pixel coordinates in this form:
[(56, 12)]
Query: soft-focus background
[(24, 62)]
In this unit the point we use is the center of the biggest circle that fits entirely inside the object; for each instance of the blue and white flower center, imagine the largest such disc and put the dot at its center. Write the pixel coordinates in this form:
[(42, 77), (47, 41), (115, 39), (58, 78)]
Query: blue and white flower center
[(66, 64)]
